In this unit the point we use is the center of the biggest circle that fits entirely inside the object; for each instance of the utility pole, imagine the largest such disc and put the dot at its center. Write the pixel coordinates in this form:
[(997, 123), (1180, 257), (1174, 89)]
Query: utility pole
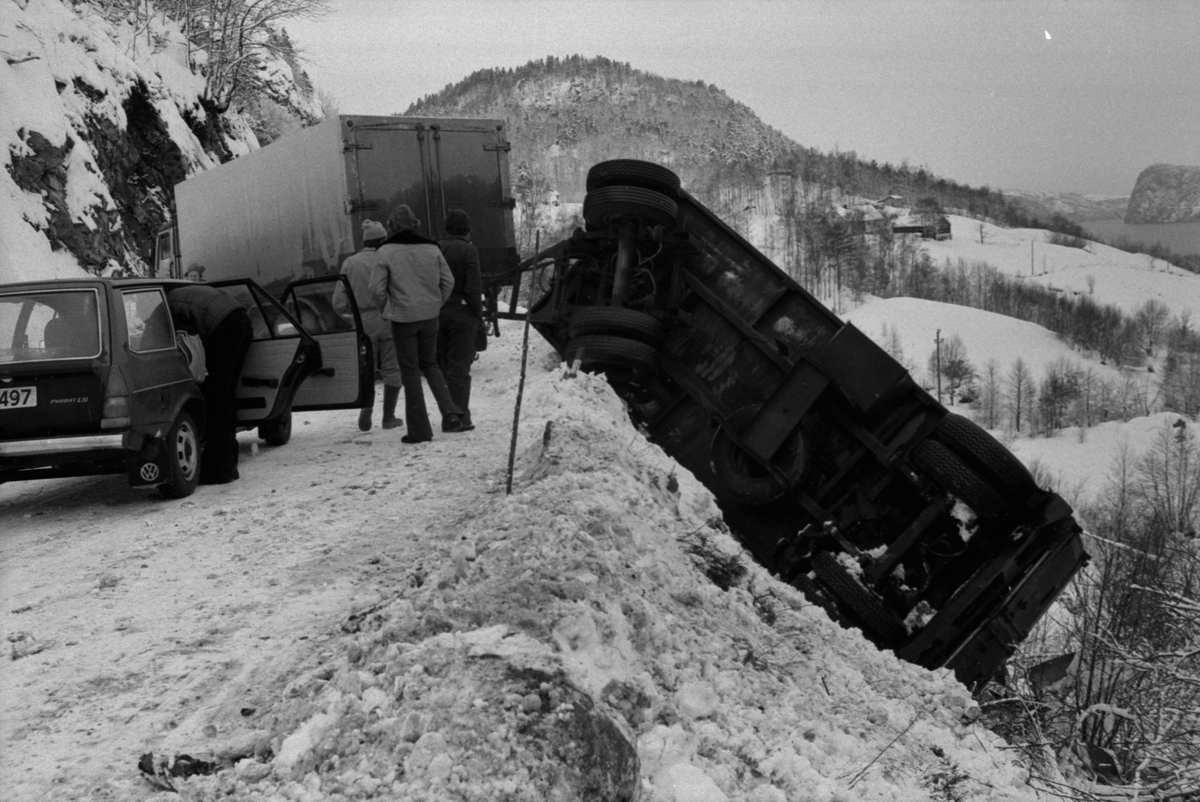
[(937, 344)]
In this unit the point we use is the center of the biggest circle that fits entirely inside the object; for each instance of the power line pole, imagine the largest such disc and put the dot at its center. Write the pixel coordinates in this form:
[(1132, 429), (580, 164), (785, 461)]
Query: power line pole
[(937, 344)]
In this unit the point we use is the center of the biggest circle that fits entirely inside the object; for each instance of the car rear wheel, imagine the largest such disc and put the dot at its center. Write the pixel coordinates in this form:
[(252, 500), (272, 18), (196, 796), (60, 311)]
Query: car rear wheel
[(277, 433), (183, 458), (620, 358), (616, 321), (610, 204), (867, 608), (633, 173)]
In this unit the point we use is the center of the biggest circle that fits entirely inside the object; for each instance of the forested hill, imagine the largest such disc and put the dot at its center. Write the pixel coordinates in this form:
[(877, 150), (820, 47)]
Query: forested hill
[(566, 114)]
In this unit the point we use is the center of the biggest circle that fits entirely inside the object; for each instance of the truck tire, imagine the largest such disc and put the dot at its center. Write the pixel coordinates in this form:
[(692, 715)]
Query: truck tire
[(971, 442), (620, 358), (183, 458), (960, 480), (750, 482), (633, 173), (618, 322), (277, 433), (867, 608), (608, 204)]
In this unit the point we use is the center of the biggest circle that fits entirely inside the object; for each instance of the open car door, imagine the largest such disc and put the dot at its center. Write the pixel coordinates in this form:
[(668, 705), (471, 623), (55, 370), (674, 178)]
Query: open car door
[(281, 356), (325, 310)]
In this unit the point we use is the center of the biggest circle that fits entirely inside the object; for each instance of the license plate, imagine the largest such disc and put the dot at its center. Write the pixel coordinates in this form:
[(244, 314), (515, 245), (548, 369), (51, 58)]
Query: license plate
[(18, 397)]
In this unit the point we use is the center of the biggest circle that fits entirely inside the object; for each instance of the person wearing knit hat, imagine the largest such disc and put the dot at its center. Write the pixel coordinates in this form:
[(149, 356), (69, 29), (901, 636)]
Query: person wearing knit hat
[(194, 272), (410, 282), (357, 270)]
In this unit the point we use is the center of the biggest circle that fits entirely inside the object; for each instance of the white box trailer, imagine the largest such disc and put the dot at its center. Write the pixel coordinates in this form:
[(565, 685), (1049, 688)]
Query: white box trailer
[(294, 209)]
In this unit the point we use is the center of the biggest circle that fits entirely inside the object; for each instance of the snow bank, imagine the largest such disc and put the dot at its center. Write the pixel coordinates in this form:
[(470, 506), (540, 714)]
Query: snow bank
[(571, 645)]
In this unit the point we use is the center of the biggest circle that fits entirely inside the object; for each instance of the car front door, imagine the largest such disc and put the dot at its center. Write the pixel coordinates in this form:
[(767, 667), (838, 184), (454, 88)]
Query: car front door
[(324, 308)]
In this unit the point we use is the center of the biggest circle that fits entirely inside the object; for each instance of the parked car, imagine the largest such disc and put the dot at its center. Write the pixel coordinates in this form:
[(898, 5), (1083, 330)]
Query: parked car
[(93, 379), (834, 468)]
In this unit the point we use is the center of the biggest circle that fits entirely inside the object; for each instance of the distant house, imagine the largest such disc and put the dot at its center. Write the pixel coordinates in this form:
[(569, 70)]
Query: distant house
[(860, 218), (891, 202), (939, 229)]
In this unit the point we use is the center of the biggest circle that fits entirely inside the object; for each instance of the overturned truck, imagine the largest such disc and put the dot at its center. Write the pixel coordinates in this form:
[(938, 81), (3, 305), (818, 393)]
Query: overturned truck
[(831, 465)]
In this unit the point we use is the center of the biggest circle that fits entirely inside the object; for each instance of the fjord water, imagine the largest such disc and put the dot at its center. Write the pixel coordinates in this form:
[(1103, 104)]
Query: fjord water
[(1181, 238)]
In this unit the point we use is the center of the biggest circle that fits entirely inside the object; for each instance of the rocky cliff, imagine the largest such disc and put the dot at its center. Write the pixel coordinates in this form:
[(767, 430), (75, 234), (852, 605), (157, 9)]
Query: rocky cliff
[(101, 117), (1165, 193)]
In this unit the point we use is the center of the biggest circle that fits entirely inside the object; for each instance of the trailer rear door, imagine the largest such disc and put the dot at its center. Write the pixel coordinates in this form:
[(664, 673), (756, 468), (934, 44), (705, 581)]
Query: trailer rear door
[(434, 166)]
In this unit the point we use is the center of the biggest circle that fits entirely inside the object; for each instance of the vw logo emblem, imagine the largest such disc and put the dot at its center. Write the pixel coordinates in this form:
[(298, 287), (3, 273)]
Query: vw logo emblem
[(149, 472)]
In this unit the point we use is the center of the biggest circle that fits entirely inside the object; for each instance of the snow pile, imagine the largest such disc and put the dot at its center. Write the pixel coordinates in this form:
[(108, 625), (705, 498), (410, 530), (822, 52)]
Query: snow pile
[(573, 641)]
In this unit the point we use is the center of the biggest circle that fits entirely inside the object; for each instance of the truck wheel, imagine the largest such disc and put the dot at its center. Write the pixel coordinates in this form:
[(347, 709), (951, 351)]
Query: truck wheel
[(960, 480), (971, 442), (620, 358), (616, 321), (607, 204), (633, 173), (751, 482), (277, 433), (183, 458), (867, 608)]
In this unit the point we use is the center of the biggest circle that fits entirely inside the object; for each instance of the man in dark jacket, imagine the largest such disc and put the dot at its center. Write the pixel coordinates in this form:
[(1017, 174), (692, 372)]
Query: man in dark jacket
[(224, 328), (462, 314)]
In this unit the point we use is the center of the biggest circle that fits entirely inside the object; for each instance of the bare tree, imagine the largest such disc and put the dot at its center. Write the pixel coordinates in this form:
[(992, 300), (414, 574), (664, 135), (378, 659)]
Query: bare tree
[(955, 367), (990, 394), (1019, 385), (234, 35), (1120, 696)]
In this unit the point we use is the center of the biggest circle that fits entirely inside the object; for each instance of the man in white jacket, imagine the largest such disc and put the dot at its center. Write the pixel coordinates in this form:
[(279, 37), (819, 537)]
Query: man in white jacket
[(410, 281)]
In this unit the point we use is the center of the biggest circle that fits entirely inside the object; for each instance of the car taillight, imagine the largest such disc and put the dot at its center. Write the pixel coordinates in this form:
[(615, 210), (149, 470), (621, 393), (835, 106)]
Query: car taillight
[(116, 401)]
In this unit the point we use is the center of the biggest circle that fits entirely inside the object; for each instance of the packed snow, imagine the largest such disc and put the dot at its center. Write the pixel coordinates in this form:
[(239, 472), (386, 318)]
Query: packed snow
[(392, 619), (356, 617)]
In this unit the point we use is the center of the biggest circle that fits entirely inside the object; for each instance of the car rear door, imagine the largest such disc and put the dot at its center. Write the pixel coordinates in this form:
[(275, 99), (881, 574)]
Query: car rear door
[(281, 355), (347, 375)]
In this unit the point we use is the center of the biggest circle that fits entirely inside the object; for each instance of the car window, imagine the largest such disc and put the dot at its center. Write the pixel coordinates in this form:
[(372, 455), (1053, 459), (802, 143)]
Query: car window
[(313, 305), (51, 324), (265, 314), (147, 321), (243, 296)]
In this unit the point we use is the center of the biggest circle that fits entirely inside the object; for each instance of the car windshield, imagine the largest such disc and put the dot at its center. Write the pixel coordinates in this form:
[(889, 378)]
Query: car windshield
[(49, 324)]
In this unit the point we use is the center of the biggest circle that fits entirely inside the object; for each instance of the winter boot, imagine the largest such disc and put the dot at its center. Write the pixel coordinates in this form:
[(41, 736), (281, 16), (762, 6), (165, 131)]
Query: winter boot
[(390, 396), (364, 416)]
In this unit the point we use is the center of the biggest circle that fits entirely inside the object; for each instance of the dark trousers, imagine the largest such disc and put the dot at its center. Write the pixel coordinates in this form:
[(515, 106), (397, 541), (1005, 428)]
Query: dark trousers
[(457, 326), (225, 350), (416, 351)]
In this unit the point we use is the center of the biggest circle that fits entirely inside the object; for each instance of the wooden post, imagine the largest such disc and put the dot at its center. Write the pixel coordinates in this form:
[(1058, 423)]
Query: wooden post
[(512, 448)]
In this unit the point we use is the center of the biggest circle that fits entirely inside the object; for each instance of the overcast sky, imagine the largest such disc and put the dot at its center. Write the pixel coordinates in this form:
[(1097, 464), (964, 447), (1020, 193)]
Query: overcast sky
[(1069, 95)]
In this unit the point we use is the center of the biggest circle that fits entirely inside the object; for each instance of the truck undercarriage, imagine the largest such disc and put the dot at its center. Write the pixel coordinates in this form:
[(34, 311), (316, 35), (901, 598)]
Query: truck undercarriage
[(833, 467)]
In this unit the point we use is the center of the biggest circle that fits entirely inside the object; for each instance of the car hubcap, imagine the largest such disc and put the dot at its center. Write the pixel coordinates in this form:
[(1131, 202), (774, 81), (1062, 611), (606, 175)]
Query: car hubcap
[(186, 451)]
